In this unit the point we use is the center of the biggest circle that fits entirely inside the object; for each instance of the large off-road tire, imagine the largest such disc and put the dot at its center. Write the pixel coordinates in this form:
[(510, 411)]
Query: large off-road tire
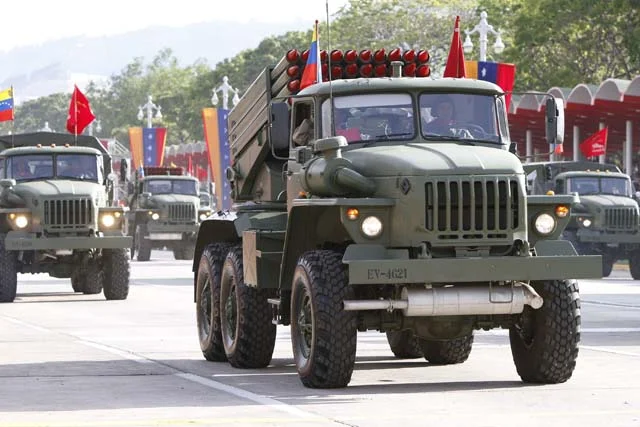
[(248, 333), (404, 344), (115, 273), (207, 294), (184, 251), (143, 246), (91, 279), (323, 334), (607, 265), (447, 352), (544, 342), (8, 274), (76, 282), (634, 264)]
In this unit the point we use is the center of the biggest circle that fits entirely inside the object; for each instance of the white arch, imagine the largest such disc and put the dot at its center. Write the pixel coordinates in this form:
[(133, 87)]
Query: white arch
[(612, 89), (634, 88), (581, 94)]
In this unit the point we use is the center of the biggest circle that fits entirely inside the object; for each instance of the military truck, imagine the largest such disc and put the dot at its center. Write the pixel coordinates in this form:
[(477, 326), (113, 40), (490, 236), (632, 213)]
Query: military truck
[(164, 212), (384, 226), (607, 220), (56, 194)]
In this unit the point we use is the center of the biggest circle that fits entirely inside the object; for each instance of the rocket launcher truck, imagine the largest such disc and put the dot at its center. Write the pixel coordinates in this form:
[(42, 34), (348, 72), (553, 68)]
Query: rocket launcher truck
[(384, 200)]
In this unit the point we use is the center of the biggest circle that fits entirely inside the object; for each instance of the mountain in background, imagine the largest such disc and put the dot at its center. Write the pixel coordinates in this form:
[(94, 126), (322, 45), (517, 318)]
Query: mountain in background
[(55, 66)]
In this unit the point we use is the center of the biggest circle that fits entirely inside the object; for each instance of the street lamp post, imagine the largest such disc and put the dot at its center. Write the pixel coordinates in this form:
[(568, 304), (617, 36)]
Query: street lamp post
[(483, 29), (149, 107), (98, 127), (225, 88)]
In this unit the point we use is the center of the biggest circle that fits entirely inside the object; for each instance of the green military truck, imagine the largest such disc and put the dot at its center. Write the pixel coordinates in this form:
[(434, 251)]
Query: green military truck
[(352, 214), (607, 220), (57, 216), (165, 210)]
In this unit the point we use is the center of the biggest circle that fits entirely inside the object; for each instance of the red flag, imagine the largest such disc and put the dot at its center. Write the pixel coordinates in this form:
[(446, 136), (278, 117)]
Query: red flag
[(80, 114), (455, 61), (595, 145)]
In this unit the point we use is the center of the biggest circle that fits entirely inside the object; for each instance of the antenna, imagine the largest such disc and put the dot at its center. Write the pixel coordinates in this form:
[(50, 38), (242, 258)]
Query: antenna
[(333, 125)]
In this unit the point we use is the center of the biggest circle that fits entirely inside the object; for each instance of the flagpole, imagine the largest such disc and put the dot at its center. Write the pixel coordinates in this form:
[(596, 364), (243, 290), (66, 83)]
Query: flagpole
[(75, 113), (13, 117)]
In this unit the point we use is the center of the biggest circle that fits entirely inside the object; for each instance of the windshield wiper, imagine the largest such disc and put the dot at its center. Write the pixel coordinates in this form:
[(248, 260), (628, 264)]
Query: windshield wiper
[(448, 138)]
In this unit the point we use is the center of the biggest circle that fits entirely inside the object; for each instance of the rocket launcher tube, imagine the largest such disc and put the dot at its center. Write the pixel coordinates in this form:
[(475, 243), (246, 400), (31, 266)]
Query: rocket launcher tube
[(329, 174)]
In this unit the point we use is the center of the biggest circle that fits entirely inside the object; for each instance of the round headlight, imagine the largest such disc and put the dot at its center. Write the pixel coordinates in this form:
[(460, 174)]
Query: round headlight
[(371, 226), (155, 216), (203, 216), (21, 221), (108, 220), (545, 223), (586, 223)]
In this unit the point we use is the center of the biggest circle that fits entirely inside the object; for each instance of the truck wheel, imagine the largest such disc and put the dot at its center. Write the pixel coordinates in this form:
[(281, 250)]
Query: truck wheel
[(323, 334), (248, 334), (607, 265), (76, 283), (8, 274), (115, 264), (91, 280), (189, 250), (634, 265), (544, 342), (208, 301), (143, 246), (404, 344), (177, 252), (447, 352)]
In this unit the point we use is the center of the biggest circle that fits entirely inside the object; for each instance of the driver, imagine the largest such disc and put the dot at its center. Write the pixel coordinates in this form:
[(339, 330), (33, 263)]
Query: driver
[(21, 170), (444, 113), (81, 167)]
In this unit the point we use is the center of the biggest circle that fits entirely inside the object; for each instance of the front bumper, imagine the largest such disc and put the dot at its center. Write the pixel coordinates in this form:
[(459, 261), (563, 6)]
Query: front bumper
[(377, 265), (154, 227), (596, 236), (19, 241)]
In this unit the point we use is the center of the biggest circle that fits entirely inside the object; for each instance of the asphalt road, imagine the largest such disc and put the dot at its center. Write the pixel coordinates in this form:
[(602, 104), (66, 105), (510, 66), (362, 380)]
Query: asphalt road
[(73, 360)]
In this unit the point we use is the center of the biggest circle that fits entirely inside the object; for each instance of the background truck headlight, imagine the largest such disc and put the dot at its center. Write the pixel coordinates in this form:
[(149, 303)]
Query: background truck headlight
[(371, 226), (586, 223), (21, 221), (155, 216), (203, 216), (545, 223), (108, 220)]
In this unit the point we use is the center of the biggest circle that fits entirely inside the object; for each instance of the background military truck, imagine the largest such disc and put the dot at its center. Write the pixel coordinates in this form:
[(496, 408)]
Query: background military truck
[(607, 220), (165, 209), (56, 214), (425, 236)]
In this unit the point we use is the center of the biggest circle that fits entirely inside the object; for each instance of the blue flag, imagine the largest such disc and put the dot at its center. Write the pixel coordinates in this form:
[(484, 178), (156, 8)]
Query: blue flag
[(153, 142)]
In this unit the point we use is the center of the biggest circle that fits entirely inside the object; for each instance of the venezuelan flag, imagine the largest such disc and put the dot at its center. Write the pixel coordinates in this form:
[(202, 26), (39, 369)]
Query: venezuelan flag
[(216, 135), (312, 72), (6, 105)]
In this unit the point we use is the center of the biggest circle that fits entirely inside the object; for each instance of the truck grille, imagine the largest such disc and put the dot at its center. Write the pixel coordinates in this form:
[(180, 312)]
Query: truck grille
[(476, 208), (61, 214), (182, 212), (621, 218)]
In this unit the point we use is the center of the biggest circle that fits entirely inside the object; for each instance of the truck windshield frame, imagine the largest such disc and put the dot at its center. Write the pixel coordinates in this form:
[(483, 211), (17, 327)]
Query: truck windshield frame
[(370, 117), (41, 166), (463, 116), (171, 186), (594, 185)]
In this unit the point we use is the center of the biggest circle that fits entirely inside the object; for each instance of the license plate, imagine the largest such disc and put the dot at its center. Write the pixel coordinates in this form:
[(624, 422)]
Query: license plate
[(165, 236)]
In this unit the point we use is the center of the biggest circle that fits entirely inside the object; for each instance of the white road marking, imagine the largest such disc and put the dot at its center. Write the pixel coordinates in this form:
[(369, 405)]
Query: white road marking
[(117, 352), (609, 350), (27, 325)]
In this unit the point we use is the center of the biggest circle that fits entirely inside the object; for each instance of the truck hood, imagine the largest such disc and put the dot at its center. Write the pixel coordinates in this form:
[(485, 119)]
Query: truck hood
[(164, 199), (432, 159), (57, 189), (607, 201)]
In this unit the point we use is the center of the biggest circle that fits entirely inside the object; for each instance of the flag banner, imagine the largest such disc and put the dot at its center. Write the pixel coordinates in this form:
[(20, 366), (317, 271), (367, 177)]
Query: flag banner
[(455, 60), (135, 145), (312, 72), (595, 145), (6, 105), (500, 73), (216, 136), (80, 114), (154, 140)]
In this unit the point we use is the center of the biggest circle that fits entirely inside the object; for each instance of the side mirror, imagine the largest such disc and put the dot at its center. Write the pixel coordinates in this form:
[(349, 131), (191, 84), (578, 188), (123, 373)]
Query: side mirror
[(637, 194), (554, 121), (513, 148), (279, 126), (112, 177), (7, 183), (146, 195)]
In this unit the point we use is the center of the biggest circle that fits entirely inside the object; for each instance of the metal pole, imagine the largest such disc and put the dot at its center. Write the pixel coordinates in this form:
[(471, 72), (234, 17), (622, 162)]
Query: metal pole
[(576, 143), (529, 144), (602, 158), (628, 149)]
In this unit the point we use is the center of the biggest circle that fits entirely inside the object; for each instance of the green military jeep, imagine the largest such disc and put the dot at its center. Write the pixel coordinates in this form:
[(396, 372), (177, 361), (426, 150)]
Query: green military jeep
[(165, 210), (606, 221), (56, 214)]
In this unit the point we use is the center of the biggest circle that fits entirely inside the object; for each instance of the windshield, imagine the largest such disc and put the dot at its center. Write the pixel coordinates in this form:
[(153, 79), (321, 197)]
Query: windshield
[(586, 185), (460, 116), (369, 117), (172, 186), (41, 166)]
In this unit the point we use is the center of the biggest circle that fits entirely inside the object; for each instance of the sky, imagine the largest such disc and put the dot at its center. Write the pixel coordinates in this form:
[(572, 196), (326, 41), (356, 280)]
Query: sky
[(33, 22)]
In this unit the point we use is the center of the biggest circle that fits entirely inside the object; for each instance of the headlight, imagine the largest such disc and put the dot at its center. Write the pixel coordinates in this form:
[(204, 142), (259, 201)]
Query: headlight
[(371, 226), (155, 216), (203, 216), (586, 222), (545, 224), (108, 220), (21, 221)]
